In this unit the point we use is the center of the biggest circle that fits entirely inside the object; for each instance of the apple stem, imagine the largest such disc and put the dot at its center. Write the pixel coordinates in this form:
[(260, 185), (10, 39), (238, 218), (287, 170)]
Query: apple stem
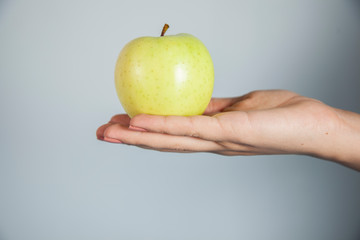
[(165, 28)]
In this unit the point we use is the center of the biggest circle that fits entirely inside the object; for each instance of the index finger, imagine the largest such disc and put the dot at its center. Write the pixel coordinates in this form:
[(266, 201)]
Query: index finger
[(204, 127)]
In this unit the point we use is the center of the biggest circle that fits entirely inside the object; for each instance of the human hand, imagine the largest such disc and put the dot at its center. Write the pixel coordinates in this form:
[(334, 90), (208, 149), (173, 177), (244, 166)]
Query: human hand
[(261, 122)]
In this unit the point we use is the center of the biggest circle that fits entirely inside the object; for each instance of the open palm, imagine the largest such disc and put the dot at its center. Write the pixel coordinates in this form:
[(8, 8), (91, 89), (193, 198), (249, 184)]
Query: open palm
[(260, 122)]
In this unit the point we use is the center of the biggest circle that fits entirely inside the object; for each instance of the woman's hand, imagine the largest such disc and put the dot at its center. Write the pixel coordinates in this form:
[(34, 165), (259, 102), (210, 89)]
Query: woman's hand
[(260, 122)]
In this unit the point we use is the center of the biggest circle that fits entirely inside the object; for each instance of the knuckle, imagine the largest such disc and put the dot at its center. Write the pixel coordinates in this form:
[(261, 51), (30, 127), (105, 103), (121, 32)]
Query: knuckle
[(166, 124), (193, 132)]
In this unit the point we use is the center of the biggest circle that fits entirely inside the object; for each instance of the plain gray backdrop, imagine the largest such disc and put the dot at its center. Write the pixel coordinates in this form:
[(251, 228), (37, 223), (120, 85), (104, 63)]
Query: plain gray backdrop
[(57, 181)]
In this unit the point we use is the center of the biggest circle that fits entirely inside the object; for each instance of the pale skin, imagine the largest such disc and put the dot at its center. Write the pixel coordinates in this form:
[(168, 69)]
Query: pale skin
[(258, 123)]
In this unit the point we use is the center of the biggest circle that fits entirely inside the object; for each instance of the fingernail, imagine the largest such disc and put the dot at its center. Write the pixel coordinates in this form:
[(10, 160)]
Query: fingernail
[(137, 129), (112, 140)]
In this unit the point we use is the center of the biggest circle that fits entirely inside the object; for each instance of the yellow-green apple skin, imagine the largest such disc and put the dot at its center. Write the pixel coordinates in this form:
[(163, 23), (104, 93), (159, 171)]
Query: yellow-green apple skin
[(168, 75)]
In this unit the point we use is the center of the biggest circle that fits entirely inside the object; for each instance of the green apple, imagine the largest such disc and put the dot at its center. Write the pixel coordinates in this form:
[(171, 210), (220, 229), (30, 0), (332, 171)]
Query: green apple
[(166, 75)]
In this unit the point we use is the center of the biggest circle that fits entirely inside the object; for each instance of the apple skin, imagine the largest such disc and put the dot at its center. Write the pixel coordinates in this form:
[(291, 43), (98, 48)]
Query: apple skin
[(168, 75)]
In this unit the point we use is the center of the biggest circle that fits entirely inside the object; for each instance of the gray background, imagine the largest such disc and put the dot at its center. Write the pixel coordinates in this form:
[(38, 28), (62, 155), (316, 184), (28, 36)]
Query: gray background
[(57, 181)]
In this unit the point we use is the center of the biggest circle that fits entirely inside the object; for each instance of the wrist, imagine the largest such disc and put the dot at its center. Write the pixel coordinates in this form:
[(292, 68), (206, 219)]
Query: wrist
[(338, 138), (347, 143)]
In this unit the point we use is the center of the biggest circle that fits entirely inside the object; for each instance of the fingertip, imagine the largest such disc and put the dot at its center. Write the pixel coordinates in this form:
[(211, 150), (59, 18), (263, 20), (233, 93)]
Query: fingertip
[(120, 118), (110, 130), (100, 131), (101, 138)]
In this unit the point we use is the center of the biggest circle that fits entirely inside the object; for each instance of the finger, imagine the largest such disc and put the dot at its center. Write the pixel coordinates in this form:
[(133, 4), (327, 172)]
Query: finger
[(217, 105), (100, 131), (222, 128), (123, 119), (158, 141)]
